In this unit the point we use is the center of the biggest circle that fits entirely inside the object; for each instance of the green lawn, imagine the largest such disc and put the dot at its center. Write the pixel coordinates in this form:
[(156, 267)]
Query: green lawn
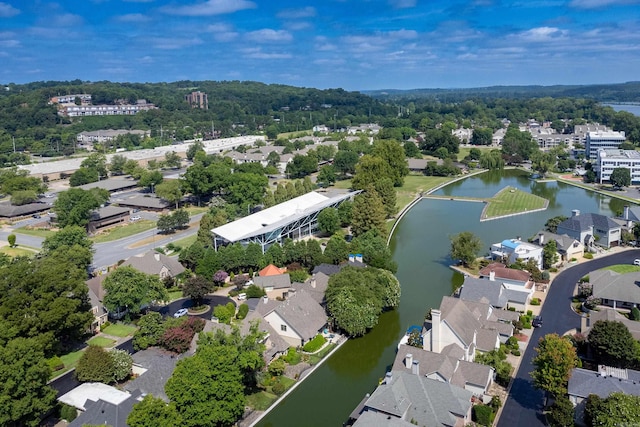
[(345, 184), (18, 251), (511, 201), (464, 151), (70, 361), (119, 330), (101, 342), (415, 184), (623, 268), (261, 400), (122, 231), (38, 232), (174, 295), (317, 357), (187, 241), (194, 210)]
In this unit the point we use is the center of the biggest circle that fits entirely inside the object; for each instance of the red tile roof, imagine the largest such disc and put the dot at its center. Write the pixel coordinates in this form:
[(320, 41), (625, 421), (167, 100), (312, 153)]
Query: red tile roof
[(271, 270)]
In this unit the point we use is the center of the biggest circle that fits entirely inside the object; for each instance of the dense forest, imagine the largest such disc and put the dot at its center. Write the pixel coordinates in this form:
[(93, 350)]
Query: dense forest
[(29, 125)]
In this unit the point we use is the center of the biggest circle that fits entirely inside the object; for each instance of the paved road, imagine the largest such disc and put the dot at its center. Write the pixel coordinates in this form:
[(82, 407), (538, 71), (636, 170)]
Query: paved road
[(210, 300), (524, 405)]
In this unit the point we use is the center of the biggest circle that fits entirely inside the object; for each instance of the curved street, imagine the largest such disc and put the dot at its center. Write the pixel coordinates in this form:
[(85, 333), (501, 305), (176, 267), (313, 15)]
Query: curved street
[(210, 300), (524, 405)]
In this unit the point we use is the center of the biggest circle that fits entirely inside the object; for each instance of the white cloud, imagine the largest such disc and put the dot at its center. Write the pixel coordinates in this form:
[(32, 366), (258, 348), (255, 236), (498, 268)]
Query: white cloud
[(61, 20), (542, 34), (403, 4), (146, 60), (174, 43), (305, 12), (298, 25), (257, 53), (7, 11), (269, 35), (210, 8), (133, 17), (595, 4), (9, 43), (403, 34), (222, 32)]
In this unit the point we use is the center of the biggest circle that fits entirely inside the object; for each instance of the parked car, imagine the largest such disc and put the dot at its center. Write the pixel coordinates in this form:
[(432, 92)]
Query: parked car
[(135, 218), (180, 313), (537, 322), (636, 261)]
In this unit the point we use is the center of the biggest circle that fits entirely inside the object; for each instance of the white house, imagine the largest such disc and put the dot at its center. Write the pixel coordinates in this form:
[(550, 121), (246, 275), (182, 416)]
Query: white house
[(511, 250)]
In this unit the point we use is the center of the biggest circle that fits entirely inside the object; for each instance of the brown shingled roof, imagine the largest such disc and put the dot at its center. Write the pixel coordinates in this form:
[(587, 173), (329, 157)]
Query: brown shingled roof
[(503, 272)]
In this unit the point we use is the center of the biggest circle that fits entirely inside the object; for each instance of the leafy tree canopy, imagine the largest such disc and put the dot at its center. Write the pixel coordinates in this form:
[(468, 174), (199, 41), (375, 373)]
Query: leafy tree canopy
[(129, 288)]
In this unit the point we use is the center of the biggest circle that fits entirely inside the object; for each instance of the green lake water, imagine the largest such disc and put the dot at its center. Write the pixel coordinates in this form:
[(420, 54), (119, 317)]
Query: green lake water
[(420, 246)]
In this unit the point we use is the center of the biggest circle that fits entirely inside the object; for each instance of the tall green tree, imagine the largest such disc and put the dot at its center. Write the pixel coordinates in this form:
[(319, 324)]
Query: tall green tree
[(197, 288), (465, 247), (620, 177), (24, 374), (385, 190), (549, 254), (618, 409), (337, 249), (170, 190), (74, 206), (368, 213), (556, 357), (154, 412), (328, 220), (393, 155), (95, 365), (129, 288), (613, 344), (117, 164)]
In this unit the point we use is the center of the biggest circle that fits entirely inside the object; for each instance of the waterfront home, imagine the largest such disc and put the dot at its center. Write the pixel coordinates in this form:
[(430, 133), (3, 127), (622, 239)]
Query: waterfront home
[(100, 404), (614, 289), (408, 399), (470, 376), (567, 247), (468, 326), (511, 250), (610, 315), (591, 229), (495, 293), (512, 278), (297, 319)]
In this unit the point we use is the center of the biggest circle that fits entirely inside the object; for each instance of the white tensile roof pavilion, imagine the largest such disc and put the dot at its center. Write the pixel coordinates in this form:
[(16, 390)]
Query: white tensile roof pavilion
[(295, 218)]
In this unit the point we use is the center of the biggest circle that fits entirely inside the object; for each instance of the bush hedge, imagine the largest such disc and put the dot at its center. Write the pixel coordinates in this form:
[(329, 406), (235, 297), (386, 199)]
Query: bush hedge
[(588, 255), (315, 344), (68, 413), (483, 415), (535, 301)]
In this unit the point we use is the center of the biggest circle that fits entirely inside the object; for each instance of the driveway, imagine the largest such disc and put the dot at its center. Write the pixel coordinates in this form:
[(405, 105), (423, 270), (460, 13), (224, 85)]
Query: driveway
[(525, 403), (210, 300)]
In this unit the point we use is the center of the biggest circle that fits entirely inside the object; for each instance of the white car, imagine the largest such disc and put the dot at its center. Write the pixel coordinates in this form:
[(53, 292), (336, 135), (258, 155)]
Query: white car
[(135, 218), (636, 261), (180, 313)]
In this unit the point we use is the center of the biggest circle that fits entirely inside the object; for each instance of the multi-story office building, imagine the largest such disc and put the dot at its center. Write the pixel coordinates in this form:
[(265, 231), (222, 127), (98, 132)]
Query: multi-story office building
[(608, 160), (602, 140), (198, 100)]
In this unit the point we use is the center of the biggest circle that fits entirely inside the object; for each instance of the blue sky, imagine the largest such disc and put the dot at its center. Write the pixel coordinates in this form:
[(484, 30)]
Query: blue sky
[(355, 45)]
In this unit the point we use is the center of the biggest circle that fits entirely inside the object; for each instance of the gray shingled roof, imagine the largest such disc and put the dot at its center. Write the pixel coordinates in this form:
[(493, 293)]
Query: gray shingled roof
[(608, 284), (584, 382), (303, 313), (107, 211), (413, 397), (584, 222), (316, 286), (111, 184), (450, 369), (279, 281), (152, 262), (609, 314), (159, 365), (143, 202), (491, 292), (563, 241), (105, 413), (377, 419), (8, 210)]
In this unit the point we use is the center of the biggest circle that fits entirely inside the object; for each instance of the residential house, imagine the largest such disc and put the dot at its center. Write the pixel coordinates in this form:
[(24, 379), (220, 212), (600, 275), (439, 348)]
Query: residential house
[(100, 314), (271, 270), (152, 367), (276, 286), (416, 399), (611, 315), (495, 293), (316, 286), (591, 229), (156, 264), (470, 376), (512, 278), (297, 319), (100, 404), (466, 325), (615, 289), (498, 136), (510, 250), (567, 247), (418, 165), (602, 383)]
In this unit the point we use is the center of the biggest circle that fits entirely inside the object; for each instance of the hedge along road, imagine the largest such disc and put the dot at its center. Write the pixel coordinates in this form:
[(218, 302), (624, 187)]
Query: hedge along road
[(524, 406)]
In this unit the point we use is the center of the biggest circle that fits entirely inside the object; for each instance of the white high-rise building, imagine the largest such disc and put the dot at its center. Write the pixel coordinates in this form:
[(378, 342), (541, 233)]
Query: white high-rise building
[(602, 140)]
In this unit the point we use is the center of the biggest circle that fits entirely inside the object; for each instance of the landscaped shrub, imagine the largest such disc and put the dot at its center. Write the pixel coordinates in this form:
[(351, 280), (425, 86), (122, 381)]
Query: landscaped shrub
[(68, 413), (553, 270), (122, 363), (535, 301), (223, 314), (243, 310), (529, 313), (96, 364), (55, 363), (105, 325), (515, 352), (588, 255), (278, 388), (194, 324), (635, 314), (315, 344), (150, 330), (176, 339), (495, 403), (546, 275), (483, 415), (277, 367), (298, 275), (254, 291), (292, 357)]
